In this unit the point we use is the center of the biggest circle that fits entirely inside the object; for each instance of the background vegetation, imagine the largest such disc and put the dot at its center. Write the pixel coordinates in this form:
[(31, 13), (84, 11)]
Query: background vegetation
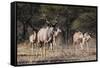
[(69, 18)]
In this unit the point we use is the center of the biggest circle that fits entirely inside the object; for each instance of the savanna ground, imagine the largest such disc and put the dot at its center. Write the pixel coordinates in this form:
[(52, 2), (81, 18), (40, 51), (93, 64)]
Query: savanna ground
[(25, 54)]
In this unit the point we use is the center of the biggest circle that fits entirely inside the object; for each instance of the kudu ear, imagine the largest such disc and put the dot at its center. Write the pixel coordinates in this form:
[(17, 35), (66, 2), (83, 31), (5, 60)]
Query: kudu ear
[(54, 25), (47, 22)]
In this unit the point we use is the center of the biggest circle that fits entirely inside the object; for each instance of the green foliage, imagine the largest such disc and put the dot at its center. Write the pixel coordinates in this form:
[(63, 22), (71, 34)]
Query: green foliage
[(32, 17), (85, 22)]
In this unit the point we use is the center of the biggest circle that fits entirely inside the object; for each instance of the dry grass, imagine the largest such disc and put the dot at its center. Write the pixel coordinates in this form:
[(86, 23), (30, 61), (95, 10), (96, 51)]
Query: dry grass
[(25, 54)]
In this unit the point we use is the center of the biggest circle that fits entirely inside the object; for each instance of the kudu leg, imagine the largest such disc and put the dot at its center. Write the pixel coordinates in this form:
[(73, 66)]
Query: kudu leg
[(81, 46), (75, 48), (87, 46), (32, 48)]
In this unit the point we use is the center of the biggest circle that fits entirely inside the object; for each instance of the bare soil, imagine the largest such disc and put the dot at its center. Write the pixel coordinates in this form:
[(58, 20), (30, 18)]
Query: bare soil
[(37, 55)]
